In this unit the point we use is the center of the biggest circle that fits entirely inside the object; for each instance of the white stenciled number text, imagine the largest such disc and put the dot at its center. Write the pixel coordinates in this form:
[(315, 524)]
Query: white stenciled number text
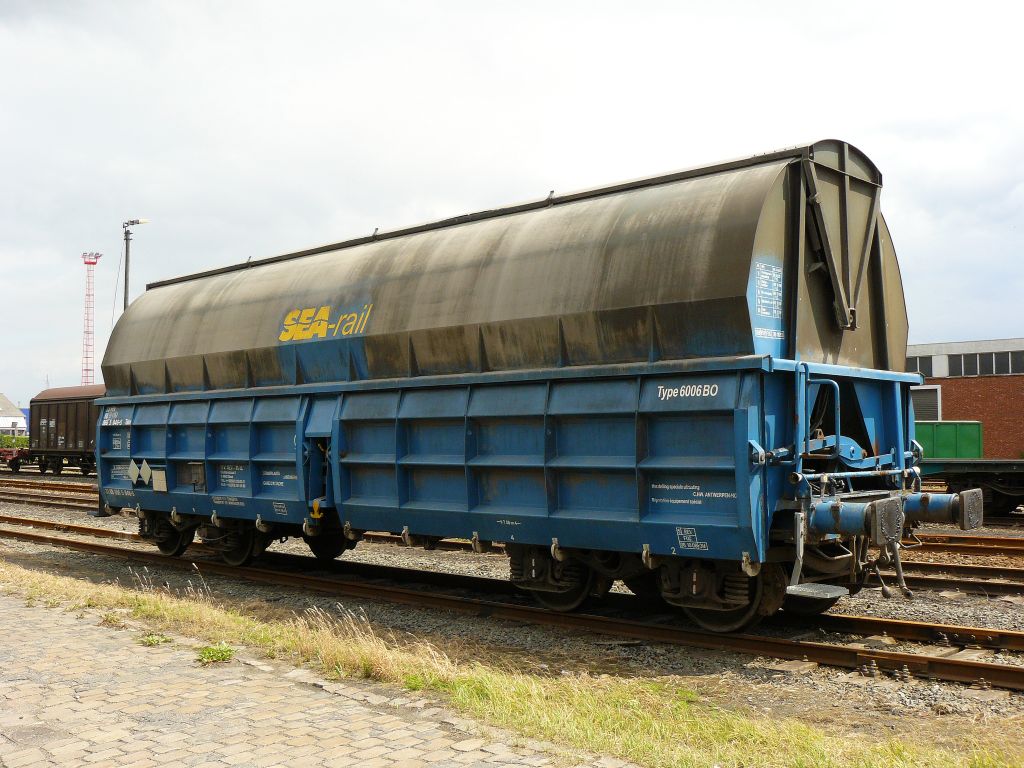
[(687, 390)]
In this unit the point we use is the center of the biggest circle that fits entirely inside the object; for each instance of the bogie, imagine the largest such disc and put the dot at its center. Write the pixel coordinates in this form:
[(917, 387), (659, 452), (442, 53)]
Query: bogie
[(328, 545), (744, 600), (559, 583), (239, 542), (171, 540), (239, 547)]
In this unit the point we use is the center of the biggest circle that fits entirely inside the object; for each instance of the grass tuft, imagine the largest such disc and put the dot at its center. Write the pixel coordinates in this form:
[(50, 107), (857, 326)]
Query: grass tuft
[(153, 639), (112, 619), (216, 654)]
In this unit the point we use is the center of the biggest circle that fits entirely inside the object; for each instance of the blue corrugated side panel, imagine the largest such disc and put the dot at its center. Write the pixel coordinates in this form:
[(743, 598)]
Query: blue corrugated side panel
[(615, 462), (611, 463)]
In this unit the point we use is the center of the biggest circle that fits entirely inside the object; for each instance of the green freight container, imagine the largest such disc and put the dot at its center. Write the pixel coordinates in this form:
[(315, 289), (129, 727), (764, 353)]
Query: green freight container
[(949, 439)]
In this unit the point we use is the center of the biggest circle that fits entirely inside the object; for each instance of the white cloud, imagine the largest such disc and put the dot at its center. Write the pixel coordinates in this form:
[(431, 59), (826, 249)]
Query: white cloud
[(247, 129)]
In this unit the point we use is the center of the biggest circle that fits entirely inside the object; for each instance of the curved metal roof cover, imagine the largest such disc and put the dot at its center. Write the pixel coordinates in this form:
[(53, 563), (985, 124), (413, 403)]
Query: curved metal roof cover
[(653, 269), (824, 151), (90, 391)]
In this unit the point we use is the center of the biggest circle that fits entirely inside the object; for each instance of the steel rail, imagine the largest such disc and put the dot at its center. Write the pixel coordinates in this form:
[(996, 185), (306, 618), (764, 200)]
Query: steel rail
[(58, 502), (923, 632), (984, 550), (22, 493), (933, 540), (968, 586), (851, 657), (83, 530), (970, 545), (963, 545), (965, 569), (50, 485), (31, 469)]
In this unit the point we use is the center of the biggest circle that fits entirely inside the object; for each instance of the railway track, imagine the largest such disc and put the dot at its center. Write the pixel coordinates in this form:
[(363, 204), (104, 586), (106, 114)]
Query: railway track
[(86, 499), (982, 580), (83, 530), (48, 485), (911, 567), (945, 665), (58, 501), (969, 545), (968, 570), (73, 494), (951, 582), (974, 579), (33, 471), (77, 503)]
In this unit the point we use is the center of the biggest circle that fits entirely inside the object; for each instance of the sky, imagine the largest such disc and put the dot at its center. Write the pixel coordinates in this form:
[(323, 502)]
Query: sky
[(248, 129)]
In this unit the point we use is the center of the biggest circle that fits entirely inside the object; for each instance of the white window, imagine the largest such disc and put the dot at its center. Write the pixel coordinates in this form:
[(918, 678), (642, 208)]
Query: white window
[(927, 402)]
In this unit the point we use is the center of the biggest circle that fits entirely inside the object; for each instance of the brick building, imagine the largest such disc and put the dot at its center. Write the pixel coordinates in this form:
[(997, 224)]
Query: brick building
[(974, 381)]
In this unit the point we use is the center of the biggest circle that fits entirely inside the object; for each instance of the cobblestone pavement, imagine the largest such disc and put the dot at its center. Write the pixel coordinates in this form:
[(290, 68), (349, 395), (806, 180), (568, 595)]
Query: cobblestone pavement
[(76, 693)]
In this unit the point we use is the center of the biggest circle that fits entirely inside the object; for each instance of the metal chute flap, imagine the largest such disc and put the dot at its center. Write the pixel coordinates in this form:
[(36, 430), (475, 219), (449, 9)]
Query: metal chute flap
[(843, 189)]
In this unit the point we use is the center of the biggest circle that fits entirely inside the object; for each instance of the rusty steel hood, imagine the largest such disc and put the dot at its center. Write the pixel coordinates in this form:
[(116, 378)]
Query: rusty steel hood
[(783, 254)]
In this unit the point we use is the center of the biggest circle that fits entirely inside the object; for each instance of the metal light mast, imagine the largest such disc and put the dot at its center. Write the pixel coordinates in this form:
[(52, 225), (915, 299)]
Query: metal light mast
[(88, 321), (128, 252)]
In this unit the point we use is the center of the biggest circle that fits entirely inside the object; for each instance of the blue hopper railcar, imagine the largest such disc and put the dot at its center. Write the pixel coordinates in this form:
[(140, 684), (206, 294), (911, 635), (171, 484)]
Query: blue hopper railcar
[(687, 383)]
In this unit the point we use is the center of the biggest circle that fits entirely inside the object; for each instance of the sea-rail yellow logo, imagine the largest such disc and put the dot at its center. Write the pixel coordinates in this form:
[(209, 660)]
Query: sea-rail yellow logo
[(316, 322)]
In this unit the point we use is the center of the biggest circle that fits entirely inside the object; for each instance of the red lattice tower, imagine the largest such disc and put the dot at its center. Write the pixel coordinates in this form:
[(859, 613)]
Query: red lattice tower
[(88, 321)]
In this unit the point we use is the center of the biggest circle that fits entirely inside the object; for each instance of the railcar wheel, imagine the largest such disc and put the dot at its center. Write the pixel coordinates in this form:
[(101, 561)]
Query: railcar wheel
[(327, 546), (765, 594), (572, 598), (15, 466), (241, 547), (172, 542), (42, 467), (58, 466), (808, 606)]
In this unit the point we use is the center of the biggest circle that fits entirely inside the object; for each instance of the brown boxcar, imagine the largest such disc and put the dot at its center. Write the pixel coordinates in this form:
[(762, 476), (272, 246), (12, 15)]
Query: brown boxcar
[(62, 428)]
